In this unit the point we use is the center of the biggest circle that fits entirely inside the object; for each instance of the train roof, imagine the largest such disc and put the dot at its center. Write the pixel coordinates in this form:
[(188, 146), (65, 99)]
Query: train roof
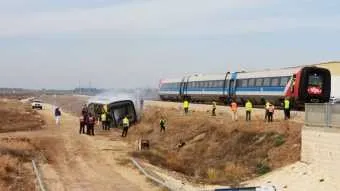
[(205, 77), (108, 100), (269, 73), (244, 74)]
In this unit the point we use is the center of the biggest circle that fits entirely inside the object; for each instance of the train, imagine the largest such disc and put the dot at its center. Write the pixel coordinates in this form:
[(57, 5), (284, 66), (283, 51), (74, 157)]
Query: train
[(117, 108), (307, 84)]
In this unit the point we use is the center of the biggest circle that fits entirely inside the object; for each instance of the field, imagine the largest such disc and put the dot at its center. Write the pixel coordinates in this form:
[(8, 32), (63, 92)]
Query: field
[(228, 152), (16, 152), (216, 150)]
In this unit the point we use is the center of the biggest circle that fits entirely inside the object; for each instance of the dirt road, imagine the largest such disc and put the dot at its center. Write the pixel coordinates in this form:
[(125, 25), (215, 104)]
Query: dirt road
[(81, 162)]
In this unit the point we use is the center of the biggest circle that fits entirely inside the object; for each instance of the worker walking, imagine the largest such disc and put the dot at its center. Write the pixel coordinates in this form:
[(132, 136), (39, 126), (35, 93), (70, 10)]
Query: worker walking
[(90, 124), (104, 120), (213, 108), (271, 112), (186, 106), (233, 107), (82, 124), (287, 108), (126, 125), (266, 107), (57, 115), (249, 108), (162, 123)]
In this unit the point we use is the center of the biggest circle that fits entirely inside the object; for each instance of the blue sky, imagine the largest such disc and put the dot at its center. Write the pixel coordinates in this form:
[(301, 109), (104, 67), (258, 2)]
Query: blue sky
[(135, 43)]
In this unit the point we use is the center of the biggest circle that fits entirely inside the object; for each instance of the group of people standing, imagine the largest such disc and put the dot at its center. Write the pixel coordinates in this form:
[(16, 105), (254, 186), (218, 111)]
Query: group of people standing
[(88, 121), (269, 109)]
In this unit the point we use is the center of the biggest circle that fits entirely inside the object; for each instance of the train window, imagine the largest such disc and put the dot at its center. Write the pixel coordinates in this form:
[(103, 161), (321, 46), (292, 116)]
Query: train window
[(259, 81), (205, 84), (244, 83), (221, 83), (211, 84), (315, 80), (275, 82), (284, 81), (251, 82), (214, 84), (238, 83), (266, 82)]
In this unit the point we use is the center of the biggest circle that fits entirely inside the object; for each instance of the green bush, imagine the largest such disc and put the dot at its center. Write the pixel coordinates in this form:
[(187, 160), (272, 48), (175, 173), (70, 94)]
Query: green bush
[(262, 168), (279, 140)]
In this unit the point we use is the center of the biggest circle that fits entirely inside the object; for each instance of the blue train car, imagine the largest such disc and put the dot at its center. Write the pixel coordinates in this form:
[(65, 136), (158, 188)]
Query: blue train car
[(301, 84)]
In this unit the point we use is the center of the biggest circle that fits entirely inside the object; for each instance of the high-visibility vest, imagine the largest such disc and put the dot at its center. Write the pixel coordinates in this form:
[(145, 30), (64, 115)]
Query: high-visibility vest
[(186, 104), (287, 104), (267, 105), (125, 122), (162, 122), (234, 106), (249, 106), (103, 117)]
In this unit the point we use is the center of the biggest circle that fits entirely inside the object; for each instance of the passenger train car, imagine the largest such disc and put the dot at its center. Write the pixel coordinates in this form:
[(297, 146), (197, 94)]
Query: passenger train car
[(300, 84), (117, 108)]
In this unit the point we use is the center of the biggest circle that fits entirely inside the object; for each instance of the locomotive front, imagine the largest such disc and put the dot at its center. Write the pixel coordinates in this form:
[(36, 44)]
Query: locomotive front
[(315, 85)]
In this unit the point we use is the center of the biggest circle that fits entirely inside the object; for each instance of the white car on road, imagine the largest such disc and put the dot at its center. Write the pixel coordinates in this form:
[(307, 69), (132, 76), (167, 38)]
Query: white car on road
[(37, 104)]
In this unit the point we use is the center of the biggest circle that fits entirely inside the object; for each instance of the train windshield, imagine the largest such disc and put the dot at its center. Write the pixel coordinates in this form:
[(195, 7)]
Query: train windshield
[(315, 80), (315, 83)]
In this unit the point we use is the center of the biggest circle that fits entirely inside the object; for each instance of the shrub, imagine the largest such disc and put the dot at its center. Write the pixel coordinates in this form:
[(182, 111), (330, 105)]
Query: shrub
[(262, 168), (279, 140)]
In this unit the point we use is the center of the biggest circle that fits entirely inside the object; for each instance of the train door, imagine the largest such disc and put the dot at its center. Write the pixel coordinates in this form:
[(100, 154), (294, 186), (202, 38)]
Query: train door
[(232, 86), (183, 89), (225, 87)]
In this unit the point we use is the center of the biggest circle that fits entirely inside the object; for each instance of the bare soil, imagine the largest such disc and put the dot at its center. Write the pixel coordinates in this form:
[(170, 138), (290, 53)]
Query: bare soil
[(217, 150), (66, 160)]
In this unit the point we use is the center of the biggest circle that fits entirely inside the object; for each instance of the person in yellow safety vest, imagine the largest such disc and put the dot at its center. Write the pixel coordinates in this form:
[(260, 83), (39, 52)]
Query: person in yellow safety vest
[(162, 123), (266, 106), (233, 107), (287, 108), (126, 125), (213, 108), (103, 118), (249, 108), (186, 106)]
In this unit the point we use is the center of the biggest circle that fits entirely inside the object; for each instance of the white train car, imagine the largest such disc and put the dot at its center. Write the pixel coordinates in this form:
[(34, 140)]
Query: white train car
[(300, 84)]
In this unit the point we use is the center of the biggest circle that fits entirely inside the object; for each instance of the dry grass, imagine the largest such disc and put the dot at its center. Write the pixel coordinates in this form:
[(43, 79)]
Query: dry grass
[(216, 149), (16, 153), (16, 116), (15, 172)]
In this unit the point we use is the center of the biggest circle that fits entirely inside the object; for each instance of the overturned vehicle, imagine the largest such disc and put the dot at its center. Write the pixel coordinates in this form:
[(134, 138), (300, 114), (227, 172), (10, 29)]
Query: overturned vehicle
[(116, 108)]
